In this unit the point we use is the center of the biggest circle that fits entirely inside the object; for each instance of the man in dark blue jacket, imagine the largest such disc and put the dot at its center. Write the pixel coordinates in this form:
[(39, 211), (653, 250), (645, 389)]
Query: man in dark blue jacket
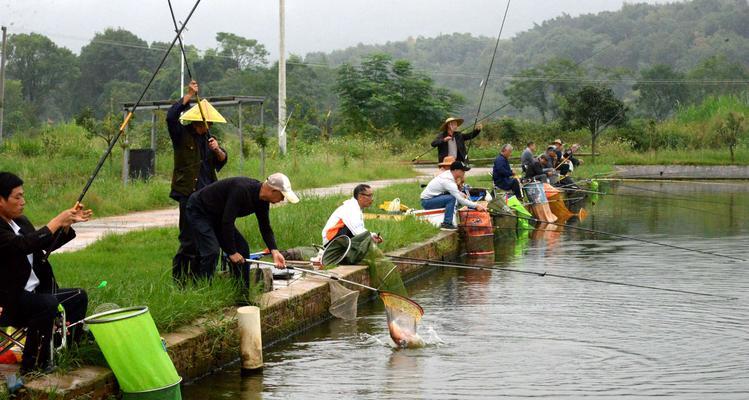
[(502, 174)]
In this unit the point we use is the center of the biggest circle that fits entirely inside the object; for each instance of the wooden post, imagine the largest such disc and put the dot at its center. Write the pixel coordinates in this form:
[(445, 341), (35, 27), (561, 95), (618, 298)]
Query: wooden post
[(282, 78), (2, 83), (125, 156), (241, 138), (262, 148), (153, 131), (250, 339)]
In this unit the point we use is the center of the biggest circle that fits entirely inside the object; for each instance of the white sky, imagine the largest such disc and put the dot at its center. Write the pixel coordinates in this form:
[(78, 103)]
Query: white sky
[(311, 25)]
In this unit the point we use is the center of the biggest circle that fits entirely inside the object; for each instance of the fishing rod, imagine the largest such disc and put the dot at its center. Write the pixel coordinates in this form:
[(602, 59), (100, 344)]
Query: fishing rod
[(686, 181), (485, 83), (670, 195), (121, 130), (421, 261), (593, 231), (189, 72), (318, 273), (639, 196), (568, 189), (488, 73)]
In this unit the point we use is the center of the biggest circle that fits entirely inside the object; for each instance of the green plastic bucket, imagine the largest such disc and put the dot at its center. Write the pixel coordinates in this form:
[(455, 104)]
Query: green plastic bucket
[(133, 348)]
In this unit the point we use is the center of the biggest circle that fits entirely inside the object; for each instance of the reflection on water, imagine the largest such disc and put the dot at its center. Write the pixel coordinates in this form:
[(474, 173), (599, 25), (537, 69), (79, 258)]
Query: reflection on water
[(516, 335)]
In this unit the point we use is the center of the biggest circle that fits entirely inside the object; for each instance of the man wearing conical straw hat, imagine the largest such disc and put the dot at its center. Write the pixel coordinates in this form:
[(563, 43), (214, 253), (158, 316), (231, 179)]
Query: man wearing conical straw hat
[(197, 158), (451, 142)]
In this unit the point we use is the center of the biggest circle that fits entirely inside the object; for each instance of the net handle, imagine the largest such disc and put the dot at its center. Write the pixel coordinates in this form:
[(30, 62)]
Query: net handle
[(318, 273)]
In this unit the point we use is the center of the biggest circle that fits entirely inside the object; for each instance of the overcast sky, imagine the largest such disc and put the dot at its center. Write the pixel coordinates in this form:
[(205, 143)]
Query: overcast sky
[(311, 25)]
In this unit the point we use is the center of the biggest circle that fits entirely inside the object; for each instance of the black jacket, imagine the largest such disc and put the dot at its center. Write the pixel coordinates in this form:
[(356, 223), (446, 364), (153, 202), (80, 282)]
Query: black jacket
[(460, 143), (536, 171), (14, 264), (195, 165), (231, 198)]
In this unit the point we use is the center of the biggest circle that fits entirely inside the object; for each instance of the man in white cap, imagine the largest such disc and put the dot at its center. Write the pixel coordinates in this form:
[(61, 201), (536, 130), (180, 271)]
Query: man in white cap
[(451, 142), (211, 213), (197, 158)]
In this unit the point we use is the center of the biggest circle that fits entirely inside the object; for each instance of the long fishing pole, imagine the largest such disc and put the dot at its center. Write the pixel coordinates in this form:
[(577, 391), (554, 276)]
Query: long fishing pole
[(318, 273), (488, 73), (670, 195), (640, 196), (485, 83), (189, 72), (449, 264), (593, 231), (123, 126)]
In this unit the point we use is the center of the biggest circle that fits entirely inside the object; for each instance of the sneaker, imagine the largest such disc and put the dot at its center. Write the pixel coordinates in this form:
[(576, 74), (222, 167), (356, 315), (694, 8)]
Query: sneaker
[(448, 227)]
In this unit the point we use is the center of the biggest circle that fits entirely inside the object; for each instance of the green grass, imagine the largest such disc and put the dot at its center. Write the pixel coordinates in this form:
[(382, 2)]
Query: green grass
[(137, 265), (56, 163), (616, 154)]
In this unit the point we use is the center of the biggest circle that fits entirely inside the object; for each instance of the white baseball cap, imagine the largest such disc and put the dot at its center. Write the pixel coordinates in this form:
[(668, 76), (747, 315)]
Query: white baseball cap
[(280, 182)]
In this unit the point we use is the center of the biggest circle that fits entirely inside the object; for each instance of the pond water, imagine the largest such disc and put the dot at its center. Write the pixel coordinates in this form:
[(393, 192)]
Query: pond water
[(504, 334)]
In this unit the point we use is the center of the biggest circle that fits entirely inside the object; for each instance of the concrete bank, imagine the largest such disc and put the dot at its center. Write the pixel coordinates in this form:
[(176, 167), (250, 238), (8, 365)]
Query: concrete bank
[(682, 171), (212, 342)]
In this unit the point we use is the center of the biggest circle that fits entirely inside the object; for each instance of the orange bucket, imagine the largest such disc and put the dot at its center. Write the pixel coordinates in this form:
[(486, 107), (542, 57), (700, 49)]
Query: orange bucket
[(475, 223)]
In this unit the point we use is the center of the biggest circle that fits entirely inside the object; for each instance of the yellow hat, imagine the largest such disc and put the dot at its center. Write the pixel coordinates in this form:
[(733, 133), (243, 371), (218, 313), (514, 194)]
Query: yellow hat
[(193, 114), (447, 121)]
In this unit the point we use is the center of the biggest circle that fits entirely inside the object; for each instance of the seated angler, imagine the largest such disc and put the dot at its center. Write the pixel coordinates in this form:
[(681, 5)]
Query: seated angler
[(348, 219), (442, 192), (539, 170), (502, 174), (570, 161), (527, 158), (29, 295), (213, 210)]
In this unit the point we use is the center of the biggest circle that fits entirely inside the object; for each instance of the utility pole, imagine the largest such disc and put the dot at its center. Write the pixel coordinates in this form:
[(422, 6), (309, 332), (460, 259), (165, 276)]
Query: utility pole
[(282, 77), (2, 84)]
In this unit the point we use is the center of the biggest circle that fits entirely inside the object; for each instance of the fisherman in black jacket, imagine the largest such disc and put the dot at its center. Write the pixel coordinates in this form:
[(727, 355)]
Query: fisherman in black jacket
[(29, 295), (539, 170), (451, 142), (212, 211), (197, 158)]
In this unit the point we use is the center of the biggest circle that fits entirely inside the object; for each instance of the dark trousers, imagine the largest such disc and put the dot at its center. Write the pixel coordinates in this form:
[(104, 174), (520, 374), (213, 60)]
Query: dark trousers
[(186, 258), (514, 186), (37, 311), (208, 240)]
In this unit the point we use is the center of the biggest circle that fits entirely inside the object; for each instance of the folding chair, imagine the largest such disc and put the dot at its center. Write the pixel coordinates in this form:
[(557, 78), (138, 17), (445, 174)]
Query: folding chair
[(9, 340), (16, 337)]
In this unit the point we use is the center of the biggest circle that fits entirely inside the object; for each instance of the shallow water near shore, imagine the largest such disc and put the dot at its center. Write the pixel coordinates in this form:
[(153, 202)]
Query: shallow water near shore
[(496, 334)]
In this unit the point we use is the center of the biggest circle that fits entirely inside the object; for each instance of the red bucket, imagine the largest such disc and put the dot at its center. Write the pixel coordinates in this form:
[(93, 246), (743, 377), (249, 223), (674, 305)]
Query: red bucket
[(475, 223)]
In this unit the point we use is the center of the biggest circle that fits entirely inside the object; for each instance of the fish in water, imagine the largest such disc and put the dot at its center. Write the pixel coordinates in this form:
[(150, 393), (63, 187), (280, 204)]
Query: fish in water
[(404, 338)]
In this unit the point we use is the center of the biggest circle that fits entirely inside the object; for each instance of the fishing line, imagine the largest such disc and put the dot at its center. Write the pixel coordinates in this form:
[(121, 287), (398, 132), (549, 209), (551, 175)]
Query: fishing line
[(488, 74), (593, 231), (670, 195), (640, 196), (189, 72), (485, 84), (544, 274), (124, 125)]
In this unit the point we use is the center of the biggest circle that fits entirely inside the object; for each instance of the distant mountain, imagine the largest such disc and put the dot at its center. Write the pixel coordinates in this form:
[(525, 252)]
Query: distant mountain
[(635, 37)]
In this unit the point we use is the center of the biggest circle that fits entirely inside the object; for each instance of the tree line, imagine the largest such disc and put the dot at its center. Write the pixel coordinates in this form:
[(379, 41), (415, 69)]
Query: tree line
[(650, 58)]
